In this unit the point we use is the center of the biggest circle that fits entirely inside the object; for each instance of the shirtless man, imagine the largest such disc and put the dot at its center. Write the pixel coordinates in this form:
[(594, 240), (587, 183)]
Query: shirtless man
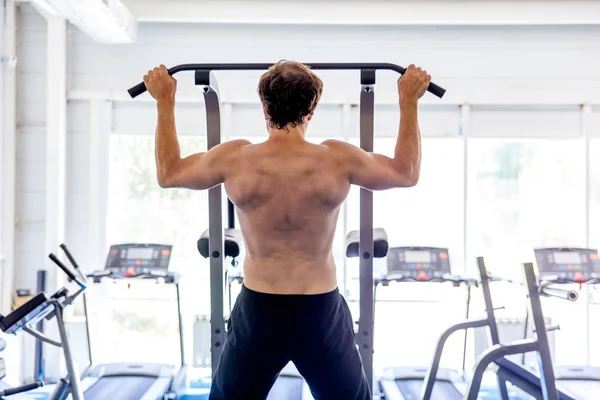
[(288, 193)]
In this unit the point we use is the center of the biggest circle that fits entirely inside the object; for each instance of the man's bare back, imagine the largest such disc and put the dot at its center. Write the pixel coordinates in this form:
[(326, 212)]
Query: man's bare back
[(288, 194), (286, 190)]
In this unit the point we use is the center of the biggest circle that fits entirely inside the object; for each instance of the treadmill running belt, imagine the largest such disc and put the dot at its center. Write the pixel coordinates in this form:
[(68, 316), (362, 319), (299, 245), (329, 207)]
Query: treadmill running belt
[(287, 388), (411, 390), (119, 388), (584, 390)]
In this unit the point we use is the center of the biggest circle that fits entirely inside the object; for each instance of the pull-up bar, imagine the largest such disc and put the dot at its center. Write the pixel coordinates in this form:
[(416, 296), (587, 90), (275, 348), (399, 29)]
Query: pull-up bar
[(141, 87)]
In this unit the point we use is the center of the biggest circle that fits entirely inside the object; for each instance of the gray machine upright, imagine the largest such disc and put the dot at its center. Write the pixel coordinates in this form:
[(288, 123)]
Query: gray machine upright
[(567, 267)]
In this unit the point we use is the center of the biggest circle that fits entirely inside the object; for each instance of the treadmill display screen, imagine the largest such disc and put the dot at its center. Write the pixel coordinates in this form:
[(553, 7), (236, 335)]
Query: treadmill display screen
[(138, 259), (565, 257), (570, 264), (418, 263), (417, 256), (136, 253)]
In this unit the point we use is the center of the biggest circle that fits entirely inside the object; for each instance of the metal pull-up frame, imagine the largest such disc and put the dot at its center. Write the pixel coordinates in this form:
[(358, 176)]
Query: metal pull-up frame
[(204, 78)]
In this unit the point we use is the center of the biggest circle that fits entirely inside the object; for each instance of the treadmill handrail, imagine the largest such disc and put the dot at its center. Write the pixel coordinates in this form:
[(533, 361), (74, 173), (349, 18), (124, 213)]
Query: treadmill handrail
[(455, 279), (141, 87)]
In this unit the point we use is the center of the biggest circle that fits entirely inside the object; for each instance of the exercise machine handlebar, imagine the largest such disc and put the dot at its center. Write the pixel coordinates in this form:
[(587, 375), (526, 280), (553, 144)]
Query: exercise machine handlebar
[(548, 289), (73, 262), (62, 266), (69, 256), (21, 389), (141, 87), (66, 270)]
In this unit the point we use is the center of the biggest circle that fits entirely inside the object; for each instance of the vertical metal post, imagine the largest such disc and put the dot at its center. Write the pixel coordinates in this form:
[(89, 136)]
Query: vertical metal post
[(465, 339), (38, 372), (215, 220), (347, 127), (181, 344), (74, 382), (365, 324), (87, 328), (491, 317), (547, 379), (230, 214)]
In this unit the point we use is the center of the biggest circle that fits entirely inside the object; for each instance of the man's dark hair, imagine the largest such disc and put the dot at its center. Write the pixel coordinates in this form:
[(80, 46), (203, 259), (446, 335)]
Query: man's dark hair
[(289, 92)]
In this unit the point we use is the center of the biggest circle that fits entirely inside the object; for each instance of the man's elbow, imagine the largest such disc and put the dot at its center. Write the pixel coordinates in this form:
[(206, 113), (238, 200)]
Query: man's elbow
[(164, 181), (409, 180), (407, 177)]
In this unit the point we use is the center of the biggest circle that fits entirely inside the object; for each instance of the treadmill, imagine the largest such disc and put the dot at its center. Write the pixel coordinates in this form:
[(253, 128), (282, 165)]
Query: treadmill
[(541, 386), (134, 381), (572, 266), (426, 265)]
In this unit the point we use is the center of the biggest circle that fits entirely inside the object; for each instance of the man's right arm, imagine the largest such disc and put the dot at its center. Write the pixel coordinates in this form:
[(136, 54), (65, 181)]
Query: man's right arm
[(379, 172)]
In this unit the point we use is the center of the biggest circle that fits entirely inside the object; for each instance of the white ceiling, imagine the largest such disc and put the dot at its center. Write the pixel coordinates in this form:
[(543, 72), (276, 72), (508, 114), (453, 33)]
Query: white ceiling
[(370, 12)]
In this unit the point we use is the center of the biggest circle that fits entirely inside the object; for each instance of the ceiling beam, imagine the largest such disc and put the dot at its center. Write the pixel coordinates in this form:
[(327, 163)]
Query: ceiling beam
[(375, 12)]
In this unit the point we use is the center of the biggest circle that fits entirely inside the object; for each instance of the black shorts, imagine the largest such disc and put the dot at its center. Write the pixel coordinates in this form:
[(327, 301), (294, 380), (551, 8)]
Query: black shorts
[(266, 331)]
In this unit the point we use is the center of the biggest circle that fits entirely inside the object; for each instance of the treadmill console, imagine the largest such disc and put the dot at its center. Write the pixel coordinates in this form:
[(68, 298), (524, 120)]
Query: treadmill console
[(418, 263), (138, 259), (567, 264)]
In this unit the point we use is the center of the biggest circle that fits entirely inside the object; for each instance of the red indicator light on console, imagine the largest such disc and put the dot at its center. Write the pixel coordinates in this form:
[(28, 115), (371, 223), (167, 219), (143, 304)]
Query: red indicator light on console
[(422, 276), (166, 252), (130, 271), (443, 255), (593, 256)]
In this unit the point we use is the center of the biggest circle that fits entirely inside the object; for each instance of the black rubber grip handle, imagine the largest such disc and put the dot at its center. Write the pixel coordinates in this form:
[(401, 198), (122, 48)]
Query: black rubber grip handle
[(137, 90), (62, 266), (141, 87), (21, 389), (69, 255)]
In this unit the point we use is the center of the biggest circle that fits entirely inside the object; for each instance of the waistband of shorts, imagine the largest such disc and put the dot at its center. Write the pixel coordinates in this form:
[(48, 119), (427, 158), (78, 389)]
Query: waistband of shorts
[(249, 293)]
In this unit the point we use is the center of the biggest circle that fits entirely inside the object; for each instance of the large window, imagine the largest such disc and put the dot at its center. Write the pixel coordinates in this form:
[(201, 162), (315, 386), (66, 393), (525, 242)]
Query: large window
[(410, 316), (525, 188), (524, 194), (139, 211), (594, 221)]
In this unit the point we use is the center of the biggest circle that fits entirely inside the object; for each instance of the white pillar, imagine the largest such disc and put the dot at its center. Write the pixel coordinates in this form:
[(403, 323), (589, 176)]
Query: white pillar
[(465, 132), (56, 159), (8, 128), (98, 152), (56, 140)]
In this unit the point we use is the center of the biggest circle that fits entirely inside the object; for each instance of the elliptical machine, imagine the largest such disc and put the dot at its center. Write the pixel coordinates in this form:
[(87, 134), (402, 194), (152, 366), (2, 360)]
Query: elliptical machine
[(42, 306)]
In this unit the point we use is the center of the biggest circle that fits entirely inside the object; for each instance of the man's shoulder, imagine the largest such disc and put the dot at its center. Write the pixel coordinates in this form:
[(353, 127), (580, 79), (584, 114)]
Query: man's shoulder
[(335, 144), (237, 143), (339, 147)]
